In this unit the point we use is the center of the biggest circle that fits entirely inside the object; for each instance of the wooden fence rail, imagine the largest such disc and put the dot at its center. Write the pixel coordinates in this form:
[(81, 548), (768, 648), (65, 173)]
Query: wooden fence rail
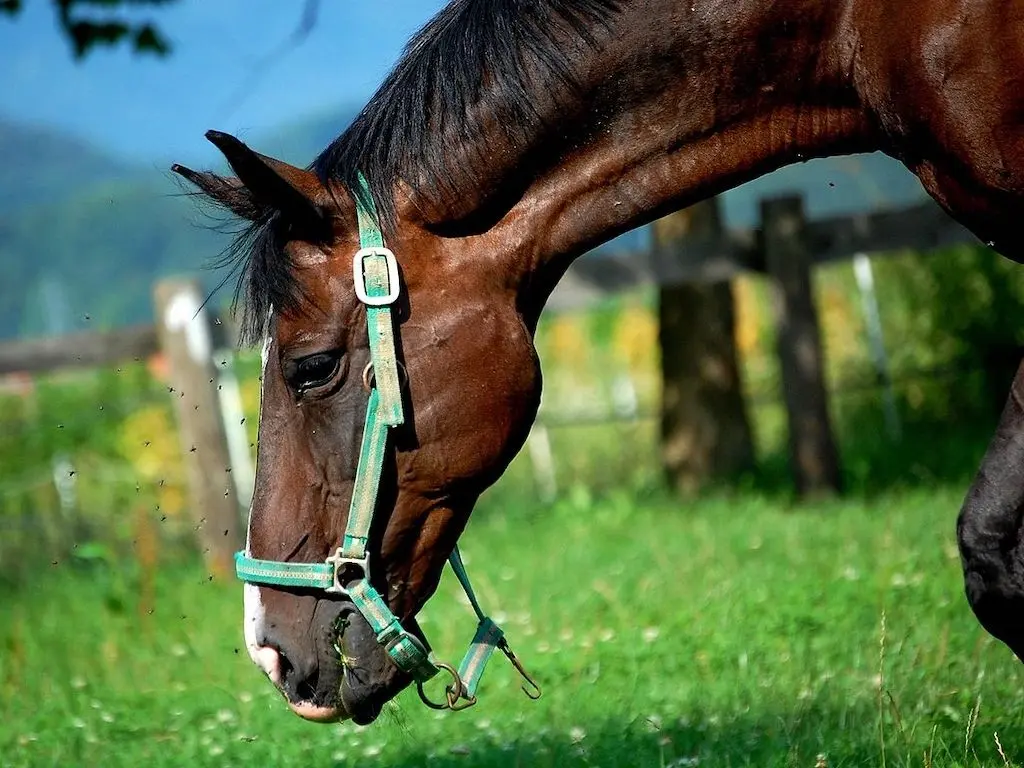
[(921, 227), (78, 350)]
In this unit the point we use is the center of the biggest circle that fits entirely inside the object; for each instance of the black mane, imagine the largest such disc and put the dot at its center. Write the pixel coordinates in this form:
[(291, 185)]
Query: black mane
[(498, 50), (407, 130)]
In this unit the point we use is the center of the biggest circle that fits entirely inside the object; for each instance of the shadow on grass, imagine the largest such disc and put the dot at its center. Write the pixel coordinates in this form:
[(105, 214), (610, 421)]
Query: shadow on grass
[(926, 456), (817, 731), (940, 438)]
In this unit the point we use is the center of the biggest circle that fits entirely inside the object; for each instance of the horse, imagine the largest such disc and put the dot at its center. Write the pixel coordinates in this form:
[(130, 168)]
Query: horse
[(511, 137)]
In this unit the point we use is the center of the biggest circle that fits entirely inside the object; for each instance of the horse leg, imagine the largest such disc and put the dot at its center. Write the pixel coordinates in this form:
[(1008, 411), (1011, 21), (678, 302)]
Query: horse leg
[(963, 138), (989, 528)]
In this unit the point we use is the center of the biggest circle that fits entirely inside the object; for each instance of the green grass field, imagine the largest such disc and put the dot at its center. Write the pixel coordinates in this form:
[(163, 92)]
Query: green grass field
[(734, 631), (731, 632)]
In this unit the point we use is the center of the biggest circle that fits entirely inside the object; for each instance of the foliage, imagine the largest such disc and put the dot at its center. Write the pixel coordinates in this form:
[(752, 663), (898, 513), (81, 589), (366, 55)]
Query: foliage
[(85, 30), (601, 398), (149, 443), (741, 633), (951, 321), (88, 460)]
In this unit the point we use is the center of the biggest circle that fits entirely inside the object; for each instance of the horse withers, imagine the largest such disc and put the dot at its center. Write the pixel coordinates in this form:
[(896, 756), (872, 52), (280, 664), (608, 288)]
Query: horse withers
[(511, 137)]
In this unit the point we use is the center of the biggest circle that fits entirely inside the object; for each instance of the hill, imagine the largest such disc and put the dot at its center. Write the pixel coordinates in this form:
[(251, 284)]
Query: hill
[(97, 255), (38, 165)]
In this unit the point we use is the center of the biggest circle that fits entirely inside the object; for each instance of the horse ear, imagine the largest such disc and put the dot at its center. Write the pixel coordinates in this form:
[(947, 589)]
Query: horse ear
[(228, 192), (273, 184)]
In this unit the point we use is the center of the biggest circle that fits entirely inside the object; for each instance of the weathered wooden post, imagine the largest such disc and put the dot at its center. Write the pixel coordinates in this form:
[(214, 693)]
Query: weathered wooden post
[(187, 340), (705, 434), (812, 448)]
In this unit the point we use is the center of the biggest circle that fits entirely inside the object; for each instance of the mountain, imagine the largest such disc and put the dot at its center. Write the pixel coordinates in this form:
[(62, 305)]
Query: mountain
[(97, 255), (38, 165), (84, 235)]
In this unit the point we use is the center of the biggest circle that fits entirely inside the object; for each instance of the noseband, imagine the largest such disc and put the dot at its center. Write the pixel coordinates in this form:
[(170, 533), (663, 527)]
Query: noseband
[(347, 572)]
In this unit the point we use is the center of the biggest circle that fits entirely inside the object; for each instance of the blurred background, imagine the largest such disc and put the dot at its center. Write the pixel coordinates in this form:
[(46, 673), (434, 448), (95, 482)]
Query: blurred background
[(668, 386)]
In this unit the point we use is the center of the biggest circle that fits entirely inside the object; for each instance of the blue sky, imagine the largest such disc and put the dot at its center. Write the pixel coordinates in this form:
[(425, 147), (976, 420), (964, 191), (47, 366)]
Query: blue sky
[(154, 109)]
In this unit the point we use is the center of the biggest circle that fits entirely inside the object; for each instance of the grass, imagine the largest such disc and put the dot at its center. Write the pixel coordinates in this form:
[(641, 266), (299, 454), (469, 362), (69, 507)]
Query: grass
[(734, 631)]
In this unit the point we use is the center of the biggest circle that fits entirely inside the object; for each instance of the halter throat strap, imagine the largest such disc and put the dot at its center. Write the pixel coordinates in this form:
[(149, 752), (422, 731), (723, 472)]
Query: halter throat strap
[(346, 571)]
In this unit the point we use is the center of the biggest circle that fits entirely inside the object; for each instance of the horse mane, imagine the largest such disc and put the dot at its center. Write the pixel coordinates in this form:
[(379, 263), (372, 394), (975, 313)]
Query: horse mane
[(503, 51), (499, 50)]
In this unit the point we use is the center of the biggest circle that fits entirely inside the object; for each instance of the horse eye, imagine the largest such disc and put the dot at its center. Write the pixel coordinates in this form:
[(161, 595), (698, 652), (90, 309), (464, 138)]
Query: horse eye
[(314, 371)]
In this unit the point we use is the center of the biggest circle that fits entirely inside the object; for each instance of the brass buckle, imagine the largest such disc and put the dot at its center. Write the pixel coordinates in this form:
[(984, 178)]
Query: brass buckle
[(454, 694)]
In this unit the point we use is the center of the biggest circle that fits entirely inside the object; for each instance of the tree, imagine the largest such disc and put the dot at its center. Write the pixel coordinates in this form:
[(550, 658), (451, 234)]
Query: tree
[(90, 23)]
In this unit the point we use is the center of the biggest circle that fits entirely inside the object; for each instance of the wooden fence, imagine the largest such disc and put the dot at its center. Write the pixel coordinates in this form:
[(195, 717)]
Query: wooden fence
[(206, 397), (921, 227), (785, 246)]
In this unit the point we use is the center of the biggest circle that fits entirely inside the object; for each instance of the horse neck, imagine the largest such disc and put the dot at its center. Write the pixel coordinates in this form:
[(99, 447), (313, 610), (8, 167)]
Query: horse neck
[(685, 100)]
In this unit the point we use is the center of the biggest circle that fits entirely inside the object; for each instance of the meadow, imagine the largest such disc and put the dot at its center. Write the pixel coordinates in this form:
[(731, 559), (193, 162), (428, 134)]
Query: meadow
[(733, 631), (737, 628)]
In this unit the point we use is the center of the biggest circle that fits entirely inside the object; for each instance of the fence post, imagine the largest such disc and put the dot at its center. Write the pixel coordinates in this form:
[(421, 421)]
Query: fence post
[(815, 460), (187, 341), (544, 475), (705, 433)]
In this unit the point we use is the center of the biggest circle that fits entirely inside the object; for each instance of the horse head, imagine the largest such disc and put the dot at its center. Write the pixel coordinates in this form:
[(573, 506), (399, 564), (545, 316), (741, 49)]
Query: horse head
[(469, 383)]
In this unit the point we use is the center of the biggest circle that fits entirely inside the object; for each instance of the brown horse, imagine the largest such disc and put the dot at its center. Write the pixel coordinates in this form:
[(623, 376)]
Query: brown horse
[(513, 136)]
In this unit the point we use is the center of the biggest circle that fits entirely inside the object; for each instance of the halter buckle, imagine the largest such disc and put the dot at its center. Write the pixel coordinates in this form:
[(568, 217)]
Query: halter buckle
[(455, 694), (340, 563), (359, 279)]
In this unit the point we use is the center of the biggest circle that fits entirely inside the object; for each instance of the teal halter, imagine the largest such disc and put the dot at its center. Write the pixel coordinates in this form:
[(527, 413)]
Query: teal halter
[(347, 571)]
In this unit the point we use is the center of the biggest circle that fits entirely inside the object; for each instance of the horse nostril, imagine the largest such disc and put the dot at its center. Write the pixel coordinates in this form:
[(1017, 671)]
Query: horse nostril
[(270, 661), (305, 691), (298, 684), (286, 670)]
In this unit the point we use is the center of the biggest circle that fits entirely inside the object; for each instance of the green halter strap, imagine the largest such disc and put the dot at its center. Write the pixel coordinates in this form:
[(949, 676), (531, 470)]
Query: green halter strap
[(347, 571)]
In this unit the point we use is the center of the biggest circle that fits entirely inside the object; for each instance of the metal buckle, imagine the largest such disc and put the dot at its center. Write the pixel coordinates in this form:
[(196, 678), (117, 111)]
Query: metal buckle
[(359, 279), (338, 561), (455, 694)]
